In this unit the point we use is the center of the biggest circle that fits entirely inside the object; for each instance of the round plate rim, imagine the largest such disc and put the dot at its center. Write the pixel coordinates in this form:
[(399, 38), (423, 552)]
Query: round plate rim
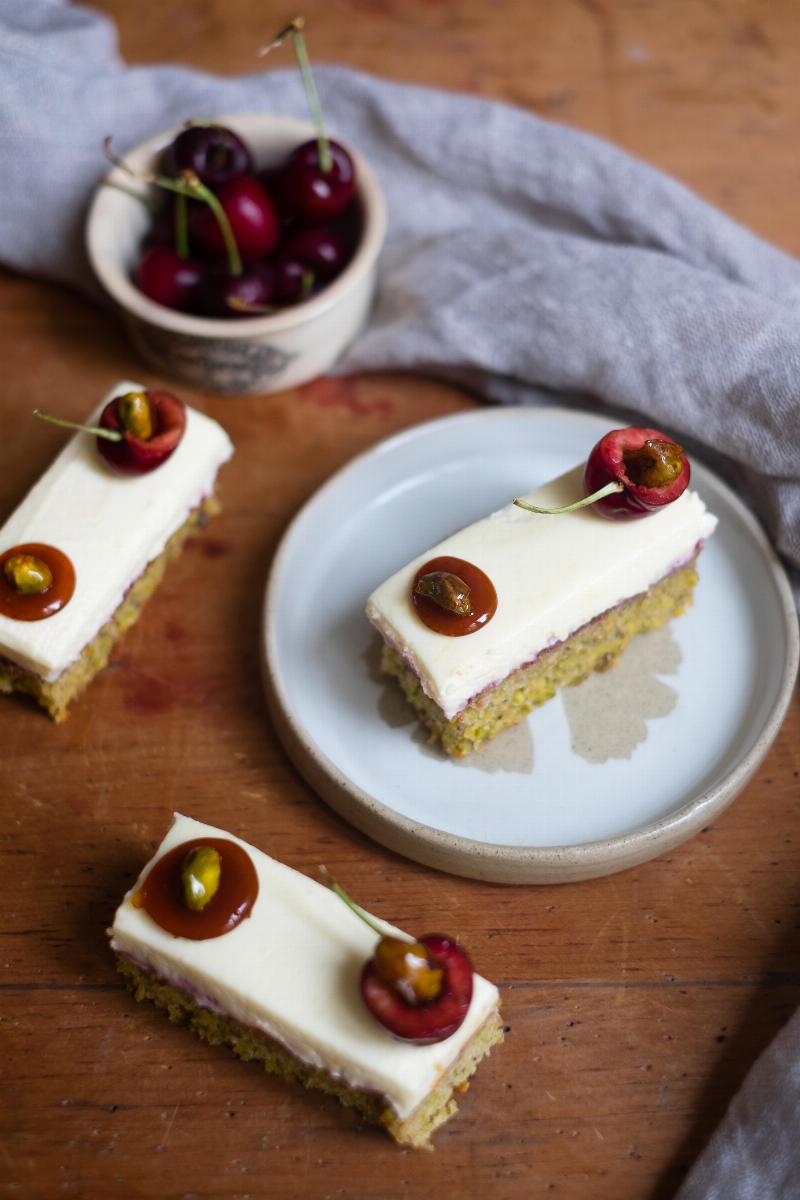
[(497, 862)]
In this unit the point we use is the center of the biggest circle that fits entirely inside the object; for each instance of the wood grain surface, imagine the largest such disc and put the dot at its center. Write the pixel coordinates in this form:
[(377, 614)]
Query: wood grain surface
[(634, 1004)]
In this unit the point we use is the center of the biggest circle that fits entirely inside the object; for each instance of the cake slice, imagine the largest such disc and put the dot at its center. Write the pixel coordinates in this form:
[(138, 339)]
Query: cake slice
[(283, 986), (570, 591), (115, 533)]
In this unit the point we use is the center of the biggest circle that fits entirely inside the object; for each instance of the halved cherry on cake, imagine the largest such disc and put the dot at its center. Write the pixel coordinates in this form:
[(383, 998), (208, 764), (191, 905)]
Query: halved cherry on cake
[(137, 431), (652, 469), (630, 473), (420, 990)]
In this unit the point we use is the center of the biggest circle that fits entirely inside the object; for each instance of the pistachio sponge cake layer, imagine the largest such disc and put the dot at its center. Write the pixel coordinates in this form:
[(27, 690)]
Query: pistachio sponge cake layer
[(253, 1045), (57, 696), (595, 647)]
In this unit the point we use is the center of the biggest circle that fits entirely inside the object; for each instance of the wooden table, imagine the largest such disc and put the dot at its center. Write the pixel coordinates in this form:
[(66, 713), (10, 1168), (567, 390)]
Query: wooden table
[(635, 1004)]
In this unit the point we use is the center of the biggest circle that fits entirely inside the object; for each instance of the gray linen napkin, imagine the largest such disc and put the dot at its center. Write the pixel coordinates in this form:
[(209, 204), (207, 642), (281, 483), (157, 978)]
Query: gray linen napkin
[(521, 256)]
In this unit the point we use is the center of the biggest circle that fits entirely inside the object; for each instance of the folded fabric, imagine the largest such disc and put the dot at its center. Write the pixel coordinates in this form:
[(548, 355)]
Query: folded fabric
[(521, 256), (754, 1154)]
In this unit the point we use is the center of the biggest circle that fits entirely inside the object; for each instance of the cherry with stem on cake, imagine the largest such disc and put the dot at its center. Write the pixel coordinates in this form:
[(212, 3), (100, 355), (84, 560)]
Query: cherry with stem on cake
[(318, 180), (420, 990), (630, 473), (136, 432)]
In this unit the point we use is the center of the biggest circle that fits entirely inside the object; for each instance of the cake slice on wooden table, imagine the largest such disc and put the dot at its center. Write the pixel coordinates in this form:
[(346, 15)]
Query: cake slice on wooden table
[(494, 619), (89, 543), (252, 954)]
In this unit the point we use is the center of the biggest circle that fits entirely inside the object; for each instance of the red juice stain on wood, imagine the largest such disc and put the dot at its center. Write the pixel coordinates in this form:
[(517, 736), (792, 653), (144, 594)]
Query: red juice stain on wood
[(345, 394), (144, 694), (149, 695), (210, 547)]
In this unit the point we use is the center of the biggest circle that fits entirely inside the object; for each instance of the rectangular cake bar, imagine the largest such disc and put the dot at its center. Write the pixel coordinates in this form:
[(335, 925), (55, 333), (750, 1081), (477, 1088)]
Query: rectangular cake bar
[(571, 591), (119, 533), (282, 988)]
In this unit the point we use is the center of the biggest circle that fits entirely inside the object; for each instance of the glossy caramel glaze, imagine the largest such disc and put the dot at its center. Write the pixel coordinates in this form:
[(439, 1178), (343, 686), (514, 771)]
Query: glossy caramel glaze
[(35, 606), (161, 894), (483, 598)]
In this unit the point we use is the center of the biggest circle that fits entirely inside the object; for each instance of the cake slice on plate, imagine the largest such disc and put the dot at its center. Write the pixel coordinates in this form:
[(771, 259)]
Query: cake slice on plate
[(252, 954), (89, 543), (493, 620)]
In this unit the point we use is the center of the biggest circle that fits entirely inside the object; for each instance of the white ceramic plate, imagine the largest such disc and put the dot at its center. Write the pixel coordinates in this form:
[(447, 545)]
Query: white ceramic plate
[(605, 775)]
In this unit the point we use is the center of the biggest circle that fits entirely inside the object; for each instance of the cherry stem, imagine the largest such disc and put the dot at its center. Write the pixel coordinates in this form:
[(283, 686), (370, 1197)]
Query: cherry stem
[(608, 490), (181, 227), (242, 306), (111, 435), (295, 30), (330, 882), (188, 185)]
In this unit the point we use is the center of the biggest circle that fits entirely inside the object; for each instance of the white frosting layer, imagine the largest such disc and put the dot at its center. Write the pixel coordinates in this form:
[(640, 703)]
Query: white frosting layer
[(110, 526), (552, 574), (292, 969)]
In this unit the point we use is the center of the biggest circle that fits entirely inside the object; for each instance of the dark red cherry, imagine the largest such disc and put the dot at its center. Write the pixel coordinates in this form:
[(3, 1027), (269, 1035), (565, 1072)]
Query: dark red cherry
[(167, 278), (395, 1000), (253, 219), (311, 196), (652, 469), (293, 280), (320, 250), (151, 423), (226, 295), (215, 154)]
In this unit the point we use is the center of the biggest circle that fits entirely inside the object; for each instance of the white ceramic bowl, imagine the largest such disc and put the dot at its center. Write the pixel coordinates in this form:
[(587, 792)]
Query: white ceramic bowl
[(248, 354)]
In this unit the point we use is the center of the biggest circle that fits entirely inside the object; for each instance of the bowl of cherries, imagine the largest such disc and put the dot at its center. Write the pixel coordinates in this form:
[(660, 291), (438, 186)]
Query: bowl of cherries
[(241, 251)]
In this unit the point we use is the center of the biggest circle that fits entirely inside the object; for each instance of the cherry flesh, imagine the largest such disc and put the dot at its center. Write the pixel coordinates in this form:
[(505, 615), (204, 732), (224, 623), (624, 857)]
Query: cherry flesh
[(215, 154), (168, 279), (253, 219), (313, 196), (652, 468), (395, 1002), (136, 454)]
